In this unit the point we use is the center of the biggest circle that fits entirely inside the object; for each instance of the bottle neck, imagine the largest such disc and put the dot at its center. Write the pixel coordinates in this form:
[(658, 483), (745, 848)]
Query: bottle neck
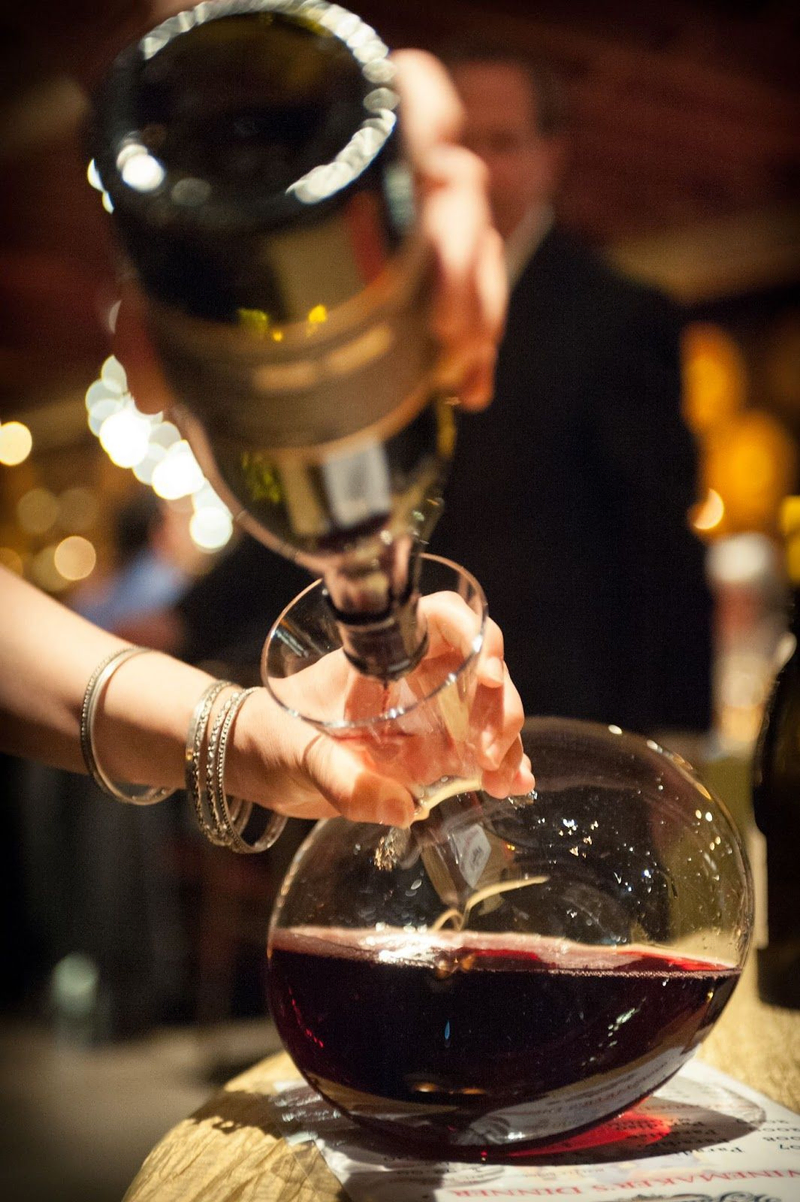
[(374, 600), (387, 646)]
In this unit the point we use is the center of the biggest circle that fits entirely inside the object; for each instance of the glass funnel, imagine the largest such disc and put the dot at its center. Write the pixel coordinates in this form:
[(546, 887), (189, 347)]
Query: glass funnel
[(421, 729), (507, 972)]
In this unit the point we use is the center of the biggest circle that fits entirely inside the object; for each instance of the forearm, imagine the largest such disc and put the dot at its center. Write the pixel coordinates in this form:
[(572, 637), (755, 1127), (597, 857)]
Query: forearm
[(47, 654)]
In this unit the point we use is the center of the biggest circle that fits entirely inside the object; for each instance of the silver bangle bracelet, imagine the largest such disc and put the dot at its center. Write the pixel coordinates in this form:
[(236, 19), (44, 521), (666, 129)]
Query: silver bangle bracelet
[(95, 688), (195, 784), (231, 815), (220, 819)]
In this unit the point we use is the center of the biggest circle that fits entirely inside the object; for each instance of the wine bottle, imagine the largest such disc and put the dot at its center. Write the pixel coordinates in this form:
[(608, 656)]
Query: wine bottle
[(251, 154), (776, 802)]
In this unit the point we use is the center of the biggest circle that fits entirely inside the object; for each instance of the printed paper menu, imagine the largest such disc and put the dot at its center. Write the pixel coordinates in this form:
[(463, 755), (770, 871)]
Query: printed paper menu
[(702, 1137)]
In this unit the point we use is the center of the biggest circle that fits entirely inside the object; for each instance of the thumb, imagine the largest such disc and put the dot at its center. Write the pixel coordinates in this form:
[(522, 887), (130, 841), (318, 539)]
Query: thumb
[(357, 791)]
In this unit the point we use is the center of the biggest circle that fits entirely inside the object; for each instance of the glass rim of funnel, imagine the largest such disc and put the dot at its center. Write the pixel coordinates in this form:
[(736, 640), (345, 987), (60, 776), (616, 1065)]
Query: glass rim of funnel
[(396, 712)]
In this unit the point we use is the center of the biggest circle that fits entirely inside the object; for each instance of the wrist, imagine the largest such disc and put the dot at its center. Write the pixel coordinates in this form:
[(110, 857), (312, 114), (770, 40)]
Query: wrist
[(256, 753)]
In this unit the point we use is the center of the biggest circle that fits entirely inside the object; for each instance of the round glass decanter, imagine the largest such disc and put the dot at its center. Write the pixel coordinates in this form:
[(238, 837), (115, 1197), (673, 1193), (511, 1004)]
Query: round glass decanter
[(506, 972)]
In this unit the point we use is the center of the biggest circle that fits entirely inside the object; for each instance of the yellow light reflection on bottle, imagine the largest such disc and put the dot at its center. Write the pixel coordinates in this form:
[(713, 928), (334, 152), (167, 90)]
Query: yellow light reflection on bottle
[(254, 321)]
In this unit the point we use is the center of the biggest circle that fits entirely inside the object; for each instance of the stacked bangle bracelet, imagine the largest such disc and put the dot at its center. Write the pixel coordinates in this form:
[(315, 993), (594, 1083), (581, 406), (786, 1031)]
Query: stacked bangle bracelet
[(224, 820), (195, 785), (231, 816)]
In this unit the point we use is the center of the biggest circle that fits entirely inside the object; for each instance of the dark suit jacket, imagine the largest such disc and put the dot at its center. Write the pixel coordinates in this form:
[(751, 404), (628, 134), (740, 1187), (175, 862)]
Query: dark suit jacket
[(568, 501)]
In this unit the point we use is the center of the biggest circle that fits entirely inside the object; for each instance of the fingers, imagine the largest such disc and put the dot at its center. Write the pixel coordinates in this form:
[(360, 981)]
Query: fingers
[(497, 712), (452, 624), (491, 285), (432, 110), (280, 762), (455, 215), (309, 806), (471, 297), (513, 777), (491, 666), (471, 293), (498, 715), (354, 790)]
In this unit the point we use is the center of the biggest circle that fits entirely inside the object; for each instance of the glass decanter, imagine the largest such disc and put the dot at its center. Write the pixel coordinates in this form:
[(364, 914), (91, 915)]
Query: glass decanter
[(505, 973)]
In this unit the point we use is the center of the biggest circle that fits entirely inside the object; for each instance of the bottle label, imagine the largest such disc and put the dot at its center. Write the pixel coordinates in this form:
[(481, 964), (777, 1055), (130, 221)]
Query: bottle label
[(358, 486), (472, 850)]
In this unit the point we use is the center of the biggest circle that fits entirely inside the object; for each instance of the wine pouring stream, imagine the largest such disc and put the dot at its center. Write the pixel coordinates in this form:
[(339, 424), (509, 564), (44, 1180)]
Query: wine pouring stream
[(548, 959)]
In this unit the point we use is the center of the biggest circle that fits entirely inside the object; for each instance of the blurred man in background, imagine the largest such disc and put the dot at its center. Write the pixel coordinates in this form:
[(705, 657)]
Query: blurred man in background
[(568, 497)]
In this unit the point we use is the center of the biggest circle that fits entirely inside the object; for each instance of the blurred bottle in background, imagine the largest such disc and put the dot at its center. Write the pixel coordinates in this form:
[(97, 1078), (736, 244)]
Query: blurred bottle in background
[(746, 579), (776, 803)]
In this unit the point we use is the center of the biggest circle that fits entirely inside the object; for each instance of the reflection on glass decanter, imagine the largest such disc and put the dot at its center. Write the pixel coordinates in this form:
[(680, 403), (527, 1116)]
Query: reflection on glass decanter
[(506, 973)]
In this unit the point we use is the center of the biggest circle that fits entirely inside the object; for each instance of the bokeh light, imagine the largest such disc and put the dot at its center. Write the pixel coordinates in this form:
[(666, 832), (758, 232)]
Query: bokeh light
[(751, 462), (37, 510), (709, 513), (93, 176), (154, 450), (12, 560), (714, 377), (75, 557), (125, 437), (16, 442), (211, 528), (45, 573), (139, 168), (178, 474), (77, 510), (790, 529)]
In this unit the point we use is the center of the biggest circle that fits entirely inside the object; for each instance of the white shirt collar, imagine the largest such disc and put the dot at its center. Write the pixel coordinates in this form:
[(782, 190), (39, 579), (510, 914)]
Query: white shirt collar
[(525, 240)]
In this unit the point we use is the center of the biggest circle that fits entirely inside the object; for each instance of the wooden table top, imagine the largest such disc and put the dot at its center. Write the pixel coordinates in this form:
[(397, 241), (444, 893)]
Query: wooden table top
[(231, 1149)]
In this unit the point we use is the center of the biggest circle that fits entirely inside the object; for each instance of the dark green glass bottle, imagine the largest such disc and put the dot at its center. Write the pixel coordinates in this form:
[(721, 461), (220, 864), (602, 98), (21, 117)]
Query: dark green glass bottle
[(251, 153), (776, 803)]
